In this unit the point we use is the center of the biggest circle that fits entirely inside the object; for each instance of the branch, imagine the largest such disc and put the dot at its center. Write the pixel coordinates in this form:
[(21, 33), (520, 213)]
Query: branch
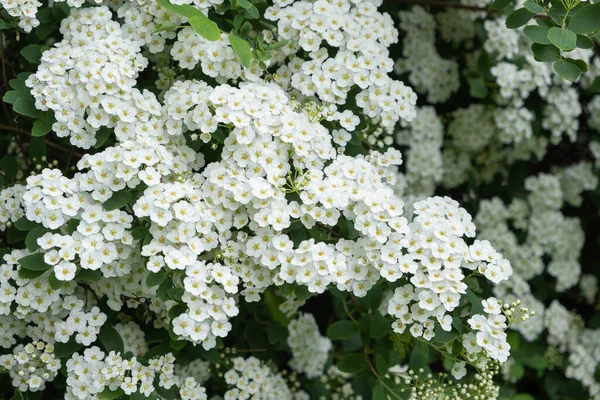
[(48, 142)]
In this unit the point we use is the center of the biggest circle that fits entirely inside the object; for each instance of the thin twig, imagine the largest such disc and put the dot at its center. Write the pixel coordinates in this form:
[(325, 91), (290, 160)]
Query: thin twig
[(48, 142)]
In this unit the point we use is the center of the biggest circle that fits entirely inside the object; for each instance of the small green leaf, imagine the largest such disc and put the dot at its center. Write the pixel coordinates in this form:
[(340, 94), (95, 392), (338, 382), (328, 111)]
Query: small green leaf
[(177, 344), (353, 363), (379, 392), (586, 20), (477, 88), (34, 262), (11, 96), (583, 67), (544, 23), (253, 12), (595, 86), (29, 274), (23, 224), (500, 4), (155, 278), (101, 137), (567, 70), (518, 18), (206, 28), (64, 350), (108, 394), (244, 4), (381, 364), (533, 7), (545, 52), (379, 326), (165, 27), (536, 34), (340, 330), (242, 49), (33, 52), (25, 105), (564, 39), (584, 42), (32, 238), (87, 275), (42, 126), (117, 200), (17, 395), (54, 282), (111, 340), (72, 225), (185, 10)]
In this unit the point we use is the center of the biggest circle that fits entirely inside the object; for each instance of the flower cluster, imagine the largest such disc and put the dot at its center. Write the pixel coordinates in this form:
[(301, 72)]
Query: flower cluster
[(310, 350)]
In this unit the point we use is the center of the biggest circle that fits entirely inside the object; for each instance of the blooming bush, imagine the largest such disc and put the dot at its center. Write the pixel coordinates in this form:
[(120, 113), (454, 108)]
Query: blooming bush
[(299, 199)]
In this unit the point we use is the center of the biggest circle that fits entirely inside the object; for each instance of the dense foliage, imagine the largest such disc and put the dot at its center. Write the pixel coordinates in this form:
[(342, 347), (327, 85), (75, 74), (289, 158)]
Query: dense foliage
[(299, 199)]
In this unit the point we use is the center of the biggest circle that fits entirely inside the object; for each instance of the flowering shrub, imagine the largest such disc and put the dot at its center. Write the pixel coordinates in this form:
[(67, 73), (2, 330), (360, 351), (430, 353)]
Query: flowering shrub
[(298, 199)]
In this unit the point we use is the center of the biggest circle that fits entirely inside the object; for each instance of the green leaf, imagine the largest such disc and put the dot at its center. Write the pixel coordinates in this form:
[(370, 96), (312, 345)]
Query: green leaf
[(584, 42), (155, 278), (17, 395), (242, 49), (111, 340), (567, 70), (379, 326), (25, 105), (163, 289), (518, 18), (23, 224), (586, 20), (353, 363), (101, 137), (536, 34), (185, 10), (477, 88), (523, 396), (54, 282), (34, 262), (29, 274), (545, 52), (564, 39), (476, 306), (177, 344), (64, 350), (595, 86), (533, 7), (517, 371), (33, 52), (87, 275), (11, 96), (32, 237), (544, 23), (500, 4), (72, 225), (139, 232), (583, 67), (108, 394), (253, 12), (381, 364), (206, 28), (244, 4), (117, 200), (419, 357), (379, 392), (302, 292), (43, 125), (341, 330)]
